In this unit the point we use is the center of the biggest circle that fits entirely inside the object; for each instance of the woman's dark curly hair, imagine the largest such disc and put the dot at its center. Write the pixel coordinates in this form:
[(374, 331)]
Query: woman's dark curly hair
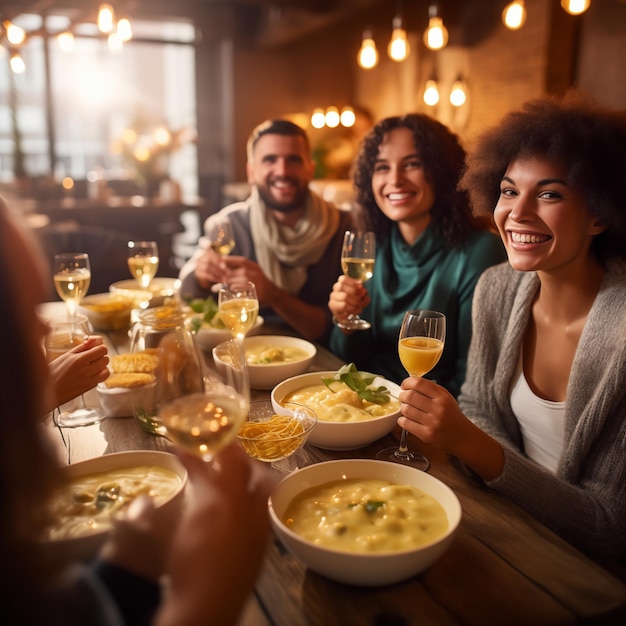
[(443, 158), (572, 130)]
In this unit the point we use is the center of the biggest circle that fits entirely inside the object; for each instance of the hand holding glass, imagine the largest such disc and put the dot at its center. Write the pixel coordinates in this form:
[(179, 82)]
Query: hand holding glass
[(357, 261), (143, 261), (238, 308), (420, 346), (72, 275), (65, 334)]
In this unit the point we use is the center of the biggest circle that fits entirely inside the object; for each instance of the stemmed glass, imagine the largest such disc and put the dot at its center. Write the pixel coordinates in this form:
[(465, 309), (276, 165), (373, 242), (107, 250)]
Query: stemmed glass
[(420, 346), (66, 333), (357, 261), (223, 239), (72, 275), (143, 261), (204, 419), (238, 308)]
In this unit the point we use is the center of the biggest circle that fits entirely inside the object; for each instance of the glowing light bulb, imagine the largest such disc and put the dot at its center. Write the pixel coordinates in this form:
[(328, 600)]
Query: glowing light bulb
[(17, 64), (332, 117), (124, 30), (15, 34), (106, 18), (398, 48), (318, 119), (458, 96), (368, 55), (115, 42), (436, 35), (431, 93), (347, 117), (575, 7), (514, 15), (66, 41)]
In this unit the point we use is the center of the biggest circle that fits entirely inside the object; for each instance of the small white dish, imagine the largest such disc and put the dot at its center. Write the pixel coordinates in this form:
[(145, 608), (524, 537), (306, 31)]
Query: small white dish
[(207, 337)]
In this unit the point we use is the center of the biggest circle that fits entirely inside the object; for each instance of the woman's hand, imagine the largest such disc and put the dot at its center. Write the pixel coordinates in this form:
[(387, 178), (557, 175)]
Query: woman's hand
[(348, 297), (79, 370), (431, 413)]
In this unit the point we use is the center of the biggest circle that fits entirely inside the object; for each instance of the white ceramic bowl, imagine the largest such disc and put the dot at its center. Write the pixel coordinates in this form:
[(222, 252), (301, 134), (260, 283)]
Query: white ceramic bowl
[(207, 337), (363, 569), (162, 290), (85, 547), (107, 311), (268, 375), (120, 401), (340, 435)]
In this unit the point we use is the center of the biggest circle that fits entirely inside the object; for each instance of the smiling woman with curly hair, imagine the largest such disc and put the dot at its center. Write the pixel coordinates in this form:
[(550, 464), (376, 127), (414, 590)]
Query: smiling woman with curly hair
[(430, 249)]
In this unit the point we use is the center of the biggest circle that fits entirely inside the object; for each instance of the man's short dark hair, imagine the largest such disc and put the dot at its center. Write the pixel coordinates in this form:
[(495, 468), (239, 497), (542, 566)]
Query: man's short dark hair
[(275, 127)]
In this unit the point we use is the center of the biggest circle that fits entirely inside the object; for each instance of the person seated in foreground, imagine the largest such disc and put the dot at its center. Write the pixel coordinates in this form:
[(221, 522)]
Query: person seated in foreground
[(430, 251), (210, 555), (541, 416), (287, 239)]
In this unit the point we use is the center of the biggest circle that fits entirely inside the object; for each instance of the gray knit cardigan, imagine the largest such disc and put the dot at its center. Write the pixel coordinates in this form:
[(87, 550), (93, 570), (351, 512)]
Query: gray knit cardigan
[(585, 501)]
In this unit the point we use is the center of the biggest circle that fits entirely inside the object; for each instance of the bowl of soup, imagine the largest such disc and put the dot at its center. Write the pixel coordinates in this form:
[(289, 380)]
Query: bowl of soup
[(346, 419), (107, 311), (273, 358), (364, 522), (80, 514)]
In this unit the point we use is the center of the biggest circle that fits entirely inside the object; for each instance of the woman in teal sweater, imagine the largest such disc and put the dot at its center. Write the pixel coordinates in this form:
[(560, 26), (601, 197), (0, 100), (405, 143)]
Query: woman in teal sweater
[(430, 250)]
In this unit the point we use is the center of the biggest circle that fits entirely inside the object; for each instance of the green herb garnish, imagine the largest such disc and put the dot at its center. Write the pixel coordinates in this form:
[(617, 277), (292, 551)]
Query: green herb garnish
[(360, 382), (371, 506), (207, 313)]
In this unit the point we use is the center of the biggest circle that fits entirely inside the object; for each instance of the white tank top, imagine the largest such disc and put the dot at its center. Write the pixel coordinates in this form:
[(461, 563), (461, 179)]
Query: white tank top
[(542, 423)]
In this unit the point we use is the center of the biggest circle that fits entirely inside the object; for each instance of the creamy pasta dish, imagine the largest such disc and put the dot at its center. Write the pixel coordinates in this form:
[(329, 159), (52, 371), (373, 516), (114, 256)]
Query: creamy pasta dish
[(339, 403), (89, 503), (366, 516)]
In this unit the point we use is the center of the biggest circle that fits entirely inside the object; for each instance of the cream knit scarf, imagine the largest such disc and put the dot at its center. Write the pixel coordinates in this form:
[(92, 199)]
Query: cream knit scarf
[(284, 253)]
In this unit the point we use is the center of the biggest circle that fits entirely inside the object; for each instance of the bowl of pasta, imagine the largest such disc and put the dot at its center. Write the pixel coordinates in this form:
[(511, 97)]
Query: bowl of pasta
[(80, 514), (364, 522), (353, 408), (273, 358)]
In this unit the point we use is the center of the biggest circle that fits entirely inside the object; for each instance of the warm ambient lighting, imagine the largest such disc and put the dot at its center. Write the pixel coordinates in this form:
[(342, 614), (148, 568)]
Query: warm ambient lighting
[(431, 93), (514, 15), (347, 118), (17, 64), (575, 7), (436, 35), (66, 41), (458, 96), (368, 55), (15, 34), (332, 117), (398, 48), (106, 18), (318, 119), (124, 30)]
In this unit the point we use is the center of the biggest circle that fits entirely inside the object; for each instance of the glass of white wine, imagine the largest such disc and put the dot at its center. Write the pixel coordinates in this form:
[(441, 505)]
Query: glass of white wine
[(238, 308), (143, 261), (66, 333), (205, 421), (72, 276), (358, 255), (222, 238), (420, 345)]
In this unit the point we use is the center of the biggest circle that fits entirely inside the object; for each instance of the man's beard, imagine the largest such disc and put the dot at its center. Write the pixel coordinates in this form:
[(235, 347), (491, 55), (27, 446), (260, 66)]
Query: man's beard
[(297, 203)]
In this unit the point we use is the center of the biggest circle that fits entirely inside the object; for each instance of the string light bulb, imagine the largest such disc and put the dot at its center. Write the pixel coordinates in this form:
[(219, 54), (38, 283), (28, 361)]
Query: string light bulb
[(124, 29), (318, 118), (15, 34), (332, 117), (431, 93), (17, 63), (458, 97), (398, 48), (368, 55), (347, 117), (66, 41), (514, 15), (575, 7), (106, 18), (436, 35)]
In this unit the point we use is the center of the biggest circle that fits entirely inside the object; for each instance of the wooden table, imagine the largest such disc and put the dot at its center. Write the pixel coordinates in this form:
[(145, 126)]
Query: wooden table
[(503, 568)]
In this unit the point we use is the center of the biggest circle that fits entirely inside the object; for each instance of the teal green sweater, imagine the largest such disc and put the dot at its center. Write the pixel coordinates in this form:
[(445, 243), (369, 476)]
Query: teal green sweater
[(422, 276)]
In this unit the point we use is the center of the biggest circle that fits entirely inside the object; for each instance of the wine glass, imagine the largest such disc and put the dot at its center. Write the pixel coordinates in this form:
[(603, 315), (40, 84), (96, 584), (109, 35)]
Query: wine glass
[(143, 261), (420, 344), (238, 308), (203, 421), (357, 261), (72, 275), (222, 238), (66, 333)]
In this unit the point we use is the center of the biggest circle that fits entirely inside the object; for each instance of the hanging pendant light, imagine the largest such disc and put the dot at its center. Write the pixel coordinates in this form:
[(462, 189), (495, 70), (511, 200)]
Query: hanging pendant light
[(398, 48), (458, 95), (436, 35), (431, 92), (514, 15), (575, 7), (106, 18), (368, 55)]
